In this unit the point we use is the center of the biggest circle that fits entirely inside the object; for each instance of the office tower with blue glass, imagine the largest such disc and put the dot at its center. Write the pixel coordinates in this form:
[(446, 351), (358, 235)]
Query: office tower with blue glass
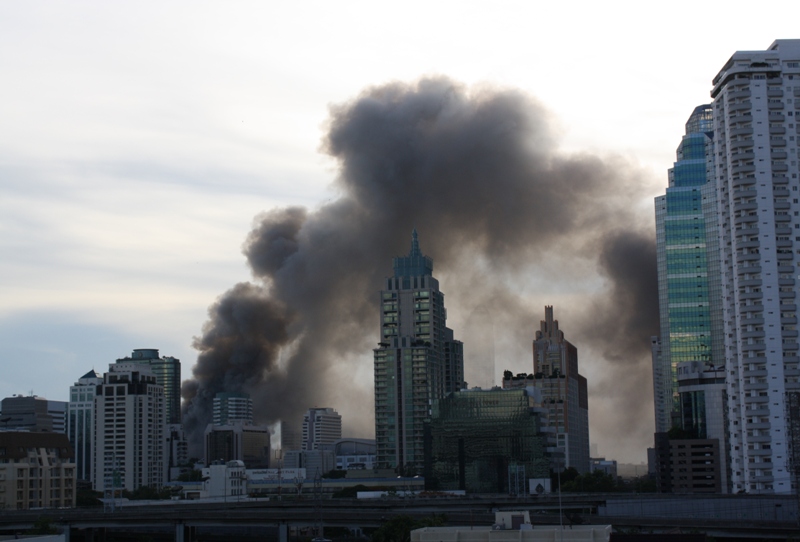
[(417, 361), (688, 267), (80, 421)]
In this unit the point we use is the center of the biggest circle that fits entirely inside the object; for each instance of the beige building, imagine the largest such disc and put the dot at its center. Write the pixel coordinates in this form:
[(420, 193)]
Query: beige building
[(129, 428), (37, 470)]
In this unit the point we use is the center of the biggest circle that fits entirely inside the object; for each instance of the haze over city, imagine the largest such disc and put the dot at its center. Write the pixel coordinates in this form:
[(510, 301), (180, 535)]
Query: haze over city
[(143, 144)]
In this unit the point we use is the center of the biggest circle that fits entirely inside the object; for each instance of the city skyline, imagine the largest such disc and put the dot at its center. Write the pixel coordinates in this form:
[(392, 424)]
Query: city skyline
[(125, 212)]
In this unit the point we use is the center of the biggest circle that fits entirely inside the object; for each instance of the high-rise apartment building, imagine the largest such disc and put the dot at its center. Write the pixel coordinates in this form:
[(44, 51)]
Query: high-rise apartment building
[(321, 427), (756, 101), (167, 371), (417, 360), (688, 267), (291, 437), (564, 391), (80, 421), (129, 428), (230, 408)]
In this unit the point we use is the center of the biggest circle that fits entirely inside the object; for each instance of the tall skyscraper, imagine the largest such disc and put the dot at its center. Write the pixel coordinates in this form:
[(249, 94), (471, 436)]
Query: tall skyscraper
[(564, 391), (756, 106), (129, 428), (167, 371), (688, 267), (321, 426), (230, 408), (417, 360), (80, 421)]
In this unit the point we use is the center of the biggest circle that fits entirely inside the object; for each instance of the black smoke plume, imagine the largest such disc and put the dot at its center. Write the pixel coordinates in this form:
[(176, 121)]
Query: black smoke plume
[(512, 224)]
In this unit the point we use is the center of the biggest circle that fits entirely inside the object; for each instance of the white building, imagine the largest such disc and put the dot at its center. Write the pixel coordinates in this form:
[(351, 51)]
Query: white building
[(129, 426), (354, 453), (80, 424), (756, 106), (225, 479), (321, 426)]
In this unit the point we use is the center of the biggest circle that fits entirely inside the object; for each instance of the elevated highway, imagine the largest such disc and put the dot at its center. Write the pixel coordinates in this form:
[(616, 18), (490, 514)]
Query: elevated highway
[(182, 521)]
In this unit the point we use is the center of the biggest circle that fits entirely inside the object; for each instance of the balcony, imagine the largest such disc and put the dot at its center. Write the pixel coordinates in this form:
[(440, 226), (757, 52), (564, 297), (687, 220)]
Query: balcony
[(746, 219), (774, 105), (777, 142), (749, 386), (740, 118), (743, 168), (776, 117), (777, 130), (738, 144), (750, 193), (739, 107), (745, 206), (738, 94)]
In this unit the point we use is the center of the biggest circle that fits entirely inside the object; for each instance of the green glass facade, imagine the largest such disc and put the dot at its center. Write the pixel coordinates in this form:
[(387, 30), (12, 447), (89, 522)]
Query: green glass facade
[(688, 266), (477, 440), (417, 361)]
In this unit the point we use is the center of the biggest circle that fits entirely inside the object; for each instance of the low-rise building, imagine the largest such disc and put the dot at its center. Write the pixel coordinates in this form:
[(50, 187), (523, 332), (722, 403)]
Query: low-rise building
[(486, 441), (247, 443), (37, 470)]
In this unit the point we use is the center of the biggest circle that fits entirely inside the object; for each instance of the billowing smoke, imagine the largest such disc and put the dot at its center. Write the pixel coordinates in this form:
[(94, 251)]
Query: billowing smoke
[(512, 224)]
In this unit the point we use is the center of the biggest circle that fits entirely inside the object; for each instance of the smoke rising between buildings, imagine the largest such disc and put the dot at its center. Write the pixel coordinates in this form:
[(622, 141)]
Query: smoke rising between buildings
[(511, 222)]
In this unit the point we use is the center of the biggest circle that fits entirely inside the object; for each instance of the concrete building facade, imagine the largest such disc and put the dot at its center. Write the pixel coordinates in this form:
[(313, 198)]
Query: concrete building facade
[(756, 101), (167, 371), (564, 391), (129, 428), (321, 427), (36, 471)]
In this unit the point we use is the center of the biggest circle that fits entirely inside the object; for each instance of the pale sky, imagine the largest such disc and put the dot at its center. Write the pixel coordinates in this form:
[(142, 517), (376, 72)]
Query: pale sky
[(139, 139)]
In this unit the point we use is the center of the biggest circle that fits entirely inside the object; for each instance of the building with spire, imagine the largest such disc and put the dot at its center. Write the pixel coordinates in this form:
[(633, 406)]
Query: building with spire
[(564, 391), (417, 360)]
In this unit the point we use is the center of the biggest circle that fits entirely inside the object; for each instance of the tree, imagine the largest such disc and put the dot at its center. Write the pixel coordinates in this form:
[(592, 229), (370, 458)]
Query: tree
[(43, 525)]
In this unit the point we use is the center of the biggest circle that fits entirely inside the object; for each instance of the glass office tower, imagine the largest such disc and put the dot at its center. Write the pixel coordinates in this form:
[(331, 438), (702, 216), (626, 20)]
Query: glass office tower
[(688, 266), (417, 361)]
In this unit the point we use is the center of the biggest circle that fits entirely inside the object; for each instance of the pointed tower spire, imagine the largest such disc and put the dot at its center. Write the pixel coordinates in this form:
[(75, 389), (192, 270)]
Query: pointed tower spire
[(415, 251), (415, 264)]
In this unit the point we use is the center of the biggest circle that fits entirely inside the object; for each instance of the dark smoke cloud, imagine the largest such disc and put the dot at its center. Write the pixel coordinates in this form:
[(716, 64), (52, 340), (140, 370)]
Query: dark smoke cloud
[(498, 206)]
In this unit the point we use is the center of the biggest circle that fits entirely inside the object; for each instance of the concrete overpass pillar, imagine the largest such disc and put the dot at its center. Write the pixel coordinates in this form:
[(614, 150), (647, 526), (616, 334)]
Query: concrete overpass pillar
[(184, 533)]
